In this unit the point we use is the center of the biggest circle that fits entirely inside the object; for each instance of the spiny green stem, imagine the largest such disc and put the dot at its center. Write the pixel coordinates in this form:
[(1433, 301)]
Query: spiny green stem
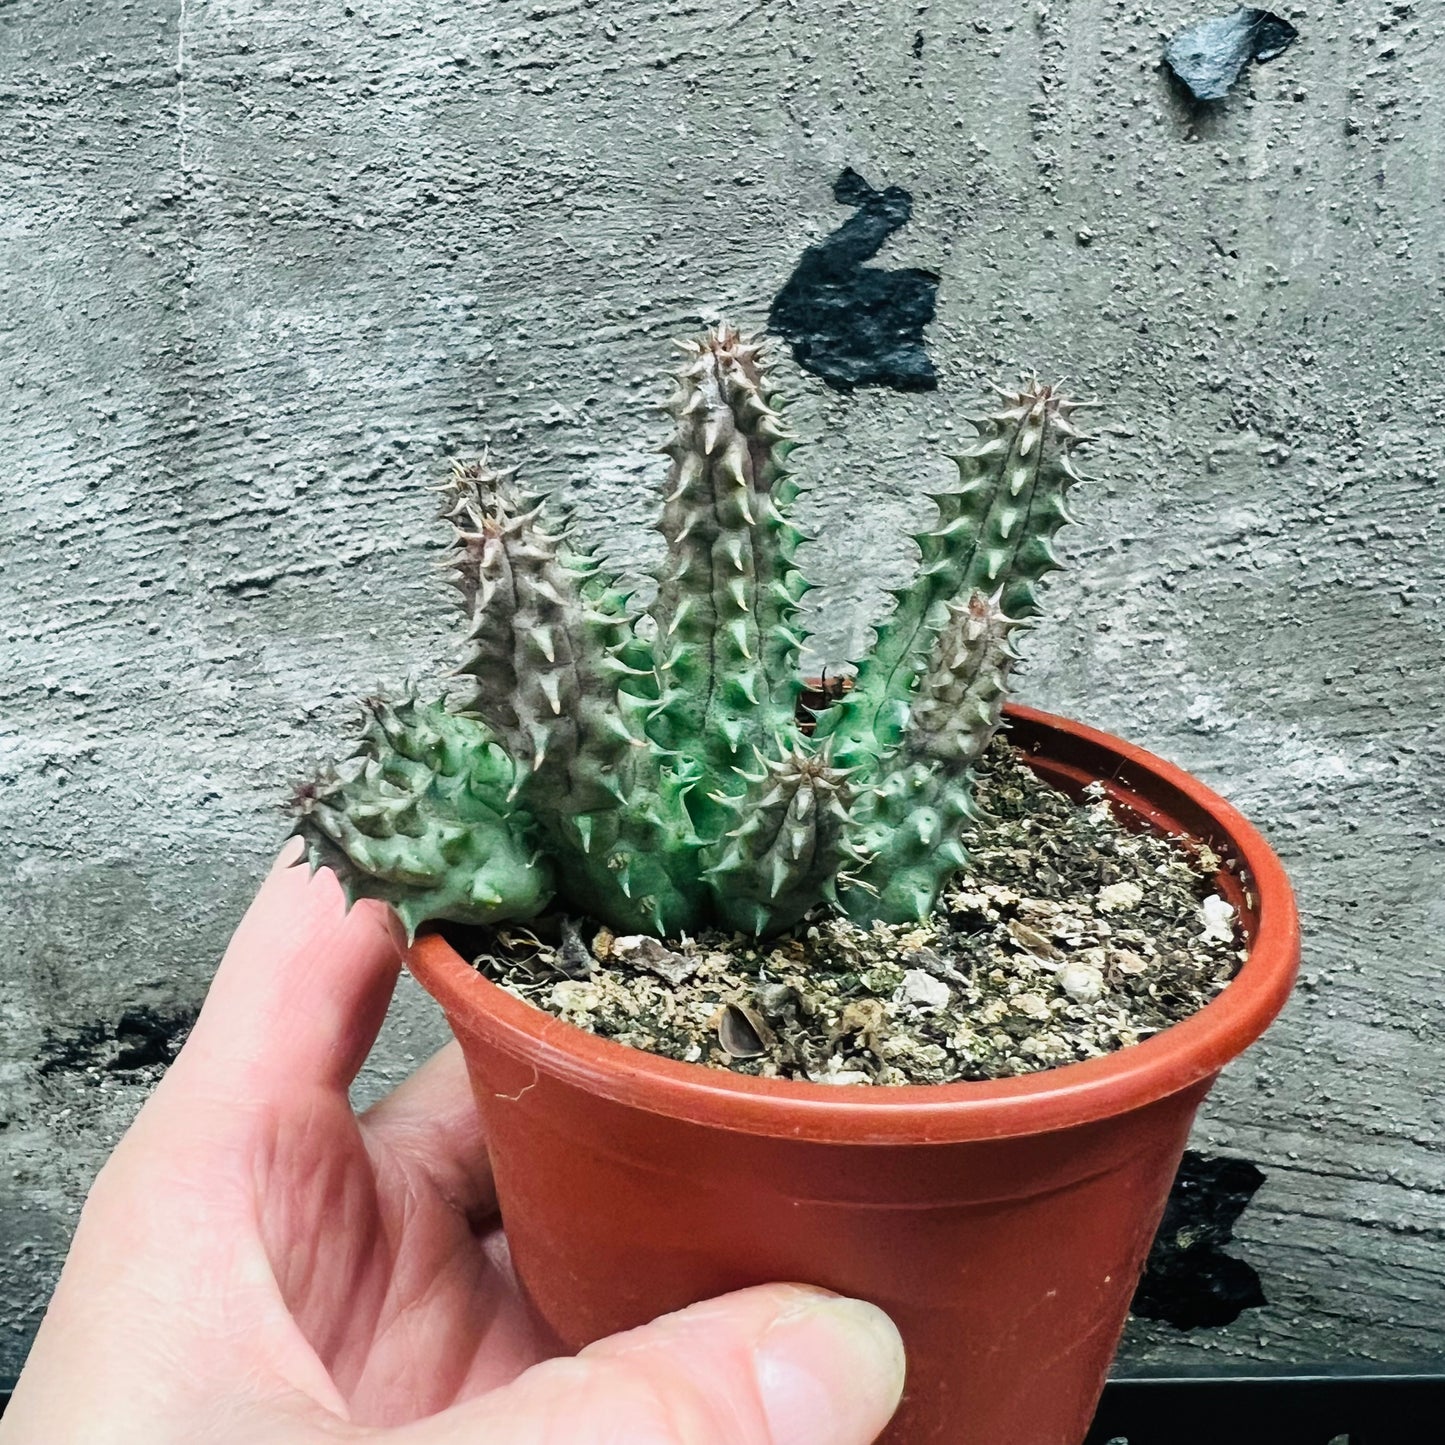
[(915, 817), (994, 535), (420, 817), (545, 640), (727, 649), (793, 841)]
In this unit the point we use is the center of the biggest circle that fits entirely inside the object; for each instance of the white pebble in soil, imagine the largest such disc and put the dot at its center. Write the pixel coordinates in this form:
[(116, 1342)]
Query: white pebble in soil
[(923, 991), (1218, 919), (1118, 897), (1082, 982)]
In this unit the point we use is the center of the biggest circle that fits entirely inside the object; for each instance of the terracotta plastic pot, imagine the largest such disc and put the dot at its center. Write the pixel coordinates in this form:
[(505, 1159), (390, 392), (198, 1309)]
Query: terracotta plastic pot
[(1002, 1224)]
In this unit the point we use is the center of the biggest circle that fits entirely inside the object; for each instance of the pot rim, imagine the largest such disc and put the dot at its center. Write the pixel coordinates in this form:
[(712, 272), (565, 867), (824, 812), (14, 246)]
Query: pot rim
[(1183, 1055)]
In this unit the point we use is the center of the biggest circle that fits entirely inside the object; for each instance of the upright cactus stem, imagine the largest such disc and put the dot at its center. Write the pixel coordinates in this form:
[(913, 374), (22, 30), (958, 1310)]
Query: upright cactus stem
[(551, 655), (544, 644), (922, 803), (959, 703), (728, 592), (994, 534), (657, 777)]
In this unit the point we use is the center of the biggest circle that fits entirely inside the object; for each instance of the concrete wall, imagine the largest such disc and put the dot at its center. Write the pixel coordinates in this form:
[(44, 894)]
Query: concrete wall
[(265, 267)]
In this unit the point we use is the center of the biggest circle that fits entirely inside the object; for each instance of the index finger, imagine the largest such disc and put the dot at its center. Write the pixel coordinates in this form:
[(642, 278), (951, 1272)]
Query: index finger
[(302, 990)]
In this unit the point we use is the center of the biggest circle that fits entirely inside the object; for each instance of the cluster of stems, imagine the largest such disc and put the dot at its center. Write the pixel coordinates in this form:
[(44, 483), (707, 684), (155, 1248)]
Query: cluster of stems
[(652, 769)]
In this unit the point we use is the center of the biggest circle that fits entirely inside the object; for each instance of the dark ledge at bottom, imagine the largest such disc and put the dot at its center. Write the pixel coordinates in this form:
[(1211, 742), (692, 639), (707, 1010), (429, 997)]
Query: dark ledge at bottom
[(1321, 1407)]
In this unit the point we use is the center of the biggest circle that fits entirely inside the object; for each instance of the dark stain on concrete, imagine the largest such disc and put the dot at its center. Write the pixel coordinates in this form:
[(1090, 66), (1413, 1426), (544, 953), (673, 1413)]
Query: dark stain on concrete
[(141, 1038), (1207, 58), (858, 325), (1189, 1282)]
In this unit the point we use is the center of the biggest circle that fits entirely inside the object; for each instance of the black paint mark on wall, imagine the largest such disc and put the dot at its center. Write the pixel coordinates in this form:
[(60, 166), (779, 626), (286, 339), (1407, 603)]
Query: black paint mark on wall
[(1189, 1281), (857, 325), (1207, 58), (142, 1038)]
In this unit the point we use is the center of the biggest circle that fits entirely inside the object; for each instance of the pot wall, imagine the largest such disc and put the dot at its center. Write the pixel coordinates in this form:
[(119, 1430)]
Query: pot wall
[(1008, 1265)]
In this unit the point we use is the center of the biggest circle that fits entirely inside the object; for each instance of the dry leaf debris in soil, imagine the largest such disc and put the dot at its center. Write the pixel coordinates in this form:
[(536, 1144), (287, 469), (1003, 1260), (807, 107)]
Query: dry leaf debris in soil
[(1068, 935)]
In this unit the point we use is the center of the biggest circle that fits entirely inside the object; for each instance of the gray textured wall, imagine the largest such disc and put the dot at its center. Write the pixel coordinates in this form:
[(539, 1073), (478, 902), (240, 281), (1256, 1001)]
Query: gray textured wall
[(265, 267)]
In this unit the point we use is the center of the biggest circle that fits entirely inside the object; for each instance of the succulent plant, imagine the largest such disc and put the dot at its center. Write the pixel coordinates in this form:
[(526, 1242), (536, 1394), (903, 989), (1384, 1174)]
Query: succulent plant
[(653, 769)]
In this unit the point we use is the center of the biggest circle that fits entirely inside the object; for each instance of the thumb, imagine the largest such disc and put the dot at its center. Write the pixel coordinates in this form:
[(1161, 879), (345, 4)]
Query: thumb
[(776, 1365)]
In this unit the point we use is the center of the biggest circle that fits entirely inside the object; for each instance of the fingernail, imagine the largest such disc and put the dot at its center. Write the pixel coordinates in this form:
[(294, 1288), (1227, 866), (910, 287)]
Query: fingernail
[(829, 1372), (291, 851)]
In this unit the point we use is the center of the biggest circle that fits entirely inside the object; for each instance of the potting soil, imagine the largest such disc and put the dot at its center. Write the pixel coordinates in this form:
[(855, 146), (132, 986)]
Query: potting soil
[(1070, 933)]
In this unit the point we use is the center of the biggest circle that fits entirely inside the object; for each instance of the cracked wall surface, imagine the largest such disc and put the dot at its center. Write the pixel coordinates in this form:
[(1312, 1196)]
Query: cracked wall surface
[(264, 269)]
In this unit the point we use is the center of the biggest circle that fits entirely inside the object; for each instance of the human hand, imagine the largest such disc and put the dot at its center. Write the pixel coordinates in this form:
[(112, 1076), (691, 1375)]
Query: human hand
[(257, 1265)]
